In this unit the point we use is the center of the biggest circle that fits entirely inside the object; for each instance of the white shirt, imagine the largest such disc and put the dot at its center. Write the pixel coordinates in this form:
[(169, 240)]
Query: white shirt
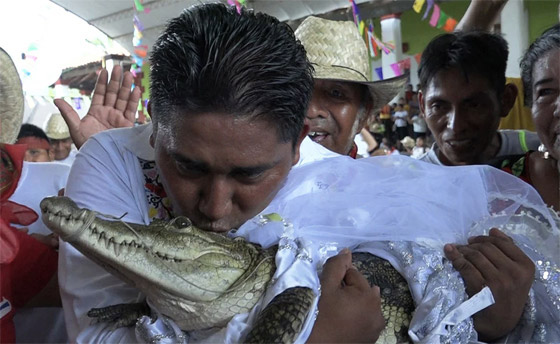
[(514, 142), (400, 118), (39, 180), (419, 124)]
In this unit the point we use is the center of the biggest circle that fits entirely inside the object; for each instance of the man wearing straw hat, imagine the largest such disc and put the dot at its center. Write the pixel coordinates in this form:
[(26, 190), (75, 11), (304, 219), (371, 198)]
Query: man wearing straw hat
[(60, 140), (344, 97)]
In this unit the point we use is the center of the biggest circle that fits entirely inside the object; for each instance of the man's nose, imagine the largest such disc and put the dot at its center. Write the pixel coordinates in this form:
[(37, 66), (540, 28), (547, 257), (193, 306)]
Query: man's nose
[(456, 120), (216, 199), (316, 109)]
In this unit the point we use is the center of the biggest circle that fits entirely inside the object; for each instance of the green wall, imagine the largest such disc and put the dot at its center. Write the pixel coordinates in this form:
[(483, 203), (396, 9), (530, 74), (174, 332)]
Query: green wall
[(542, 15)]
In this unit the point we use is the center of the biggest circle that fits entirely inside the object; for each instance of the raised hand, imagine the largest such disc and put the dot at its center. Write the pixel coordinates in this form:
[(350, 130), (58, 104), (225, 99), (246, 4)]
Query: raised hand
[(494, 261), (113, 105), (349, 309)]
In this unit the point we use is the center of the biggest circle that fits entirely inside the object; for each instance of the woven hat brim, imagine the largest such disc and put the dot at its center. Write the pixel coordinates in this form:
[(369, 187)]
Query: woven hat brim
[(57, 136), (382, 91), (11, 99)]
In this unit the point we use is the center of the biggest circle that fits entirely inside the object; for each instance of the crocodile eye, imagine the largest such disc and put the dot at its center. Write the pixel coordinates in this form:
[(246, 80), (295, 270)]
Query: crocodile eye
[(182, 222)]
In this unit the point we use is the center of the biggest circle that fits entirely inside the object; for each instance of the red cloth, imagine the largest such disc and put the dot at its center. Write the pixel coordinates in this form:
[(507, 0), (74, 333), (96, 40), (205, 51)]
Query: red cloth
[(26, 265), (353, 151)]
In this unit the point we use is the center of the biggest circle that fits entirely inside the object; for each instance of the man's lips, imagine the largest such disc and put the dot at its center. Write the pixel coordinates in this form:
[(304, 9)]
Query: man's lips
[(318, 136), (459, 143)]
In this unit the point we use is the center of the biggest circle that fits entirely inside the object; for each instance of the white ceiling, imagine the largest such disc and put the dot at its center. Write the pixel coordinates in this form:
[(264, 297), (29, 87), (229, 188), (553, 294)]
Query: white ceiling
[(114, 17)]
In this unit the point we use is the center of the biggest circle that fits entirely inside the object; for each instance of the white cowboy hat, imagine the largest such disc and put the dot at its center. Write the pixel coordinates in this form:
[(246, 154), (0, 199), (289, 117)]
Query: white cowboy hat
[(11, 99), (337, 52)]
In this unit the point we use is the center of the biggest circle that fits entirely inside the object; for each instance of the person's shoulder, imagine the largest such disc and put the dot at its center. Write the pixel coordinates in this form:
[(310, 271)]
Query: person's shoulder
[(121, 134), (516, 142), (135, 140)]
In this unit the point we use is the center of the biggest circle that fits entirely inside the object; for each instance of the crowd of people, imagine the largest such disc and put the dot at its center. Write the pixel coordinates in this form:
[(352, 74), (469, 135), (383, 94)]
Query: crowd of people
[(244, 125)]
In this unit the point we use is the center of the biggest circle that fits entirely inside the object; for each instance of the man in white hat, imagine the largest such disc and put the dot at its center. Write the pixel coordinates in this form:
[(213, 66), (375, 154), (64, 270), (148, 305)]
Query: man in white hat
[(60, 140), (344, 97)]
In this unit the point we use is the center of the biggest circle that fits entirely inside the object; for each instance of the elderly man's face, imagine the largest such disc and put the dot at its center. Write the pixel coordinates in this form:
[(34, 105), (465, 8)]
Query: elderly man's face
[(61, 148), (219, 170), (546, 100), (336, 114)]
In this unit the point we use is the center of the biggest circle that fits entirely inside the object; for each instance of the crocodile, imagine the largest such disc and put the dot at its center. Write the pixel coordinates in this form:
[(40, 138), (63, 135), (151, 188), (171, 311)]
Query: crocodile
[(216, 278)]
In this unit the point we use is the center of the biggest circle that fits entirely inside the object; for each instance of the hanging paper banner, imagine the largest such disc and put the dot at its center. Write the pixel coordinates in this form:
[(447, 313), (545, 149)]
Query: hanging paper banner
[(418, 5), (396, 69), (442, 19), (374, 49), (450, 24), (430, 5), (138, 6), (435, 16), (355, 12), (418, 58), (379, 72)]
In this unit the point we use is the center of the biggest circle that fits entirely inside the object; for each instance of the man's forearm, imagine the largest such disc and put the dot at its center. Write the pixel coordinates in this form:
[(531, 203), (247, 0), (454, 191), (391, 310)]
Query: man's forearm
[(480, 15)]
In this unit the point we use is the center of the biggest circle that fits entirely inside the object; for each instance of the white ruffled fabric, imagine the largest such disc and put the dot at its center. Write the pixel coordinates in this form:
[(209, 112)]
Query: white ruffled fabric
[(402, 210)]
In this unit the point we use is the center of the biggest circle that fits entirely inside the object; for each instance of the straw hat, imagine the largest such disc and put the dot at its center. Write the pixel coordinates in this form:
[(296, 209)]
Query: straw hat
[(408, 142), (11, 99), (337, 51), (57, 128)]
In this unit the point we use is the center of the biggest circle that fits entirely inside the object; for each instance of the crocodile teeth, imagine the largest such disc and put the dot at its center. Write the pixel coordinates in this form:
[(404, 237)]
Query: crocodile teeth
[(116, 248)]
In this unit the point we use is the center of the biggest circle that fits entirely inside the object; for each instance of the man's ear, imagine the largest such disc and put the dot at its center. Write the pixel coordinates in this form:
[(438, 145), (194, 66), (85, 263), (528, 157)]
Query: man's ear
[(421, 104), (297, 146), (508, 99), (50, 153)]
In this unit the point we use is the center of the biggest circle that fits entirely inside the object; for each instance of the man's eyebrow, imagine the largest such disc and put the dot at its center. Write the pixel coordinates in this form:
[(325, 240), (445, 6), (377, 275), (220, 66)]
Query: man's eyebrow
[(435, 98), (202, 166), (253, 170), (189, 162), (543, 81)]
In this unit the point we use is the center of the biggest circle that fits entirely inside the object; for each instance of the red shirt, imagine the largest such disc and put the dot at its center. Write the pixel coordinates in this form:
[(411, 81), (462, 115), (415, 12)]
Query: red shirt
[(26, 265)]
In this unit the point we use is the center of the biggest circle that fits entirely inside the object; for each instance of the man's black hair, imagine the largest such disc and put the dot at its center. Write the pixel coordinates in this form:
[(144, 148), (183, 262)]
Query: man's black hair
[(474, 53), (549, 40), (30, 130), (212, 59)]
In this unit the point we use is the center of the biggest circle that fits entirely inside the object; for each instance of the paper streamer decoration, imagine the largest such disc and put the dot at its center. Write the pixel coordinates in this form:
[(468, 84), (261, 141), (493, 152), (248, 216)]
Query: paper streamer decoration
[(367, 33), (450, 24), (405, 64), (428, 9), (379, 72), (139, 7), (237, 3), (396, 69), (435, 16), (442, 19), (418, 5), (418, 58)]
